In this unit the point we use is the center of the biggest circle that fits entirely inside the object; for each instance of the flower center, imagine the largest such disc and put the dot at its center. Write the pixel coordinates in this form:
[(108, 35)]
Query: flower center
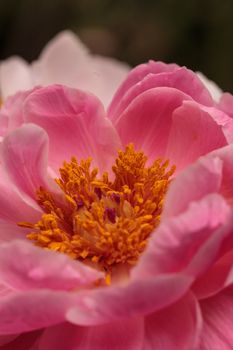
[(101, 221)]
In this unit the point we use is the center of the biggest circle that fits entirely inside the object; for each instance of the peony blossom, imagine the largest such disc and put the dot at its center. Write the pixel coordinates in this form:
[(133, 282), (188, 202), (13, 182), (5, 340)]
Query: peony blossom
[(64, 60), (137, 256)]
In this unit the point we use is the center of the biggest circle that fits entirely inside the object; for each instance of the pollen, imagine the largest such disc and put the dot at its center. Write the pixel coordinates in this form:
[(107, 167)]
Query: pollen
[(103, 220)]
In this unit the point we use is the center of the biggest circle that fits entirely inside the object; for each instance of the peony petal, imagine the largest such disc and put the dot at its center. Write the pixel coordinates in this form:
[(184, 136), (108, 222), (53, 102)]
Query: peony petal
[(213, 88), (40, 268), (26, 311), (176, 327), (148, 119), (218, 277), (194, 183), (123, 335), (134, 77), (195, 130), (218, 317), (138, 297), (15, 76), (25, 341), (76, 125), (24, 155), (226, 103), (172, 75), (181, 79), (12, 111), (65, 60), (188, 242)]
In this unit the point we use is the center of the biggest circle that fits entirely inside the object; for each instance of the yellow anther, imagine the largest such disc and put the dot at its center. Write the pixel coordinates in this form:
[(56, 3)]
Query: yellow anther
[(100, 221)]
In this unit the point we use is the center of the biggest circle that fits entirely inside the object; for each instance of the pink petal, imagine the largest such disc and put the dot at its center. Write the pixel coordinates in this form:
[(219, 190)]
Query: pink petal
[(148, 119), (40, 268), (194, 183), (76, 125), (22, 342), (181, 79), (213, 88), (123, 335), (138, 297), (218, 317), (176, 327), (15, 76), (194, 132), (135, 76), (144, 77), (188, 242), (12, 111), (26, 311), (24, 155), (218, 277), (4, 339), (226, 103)]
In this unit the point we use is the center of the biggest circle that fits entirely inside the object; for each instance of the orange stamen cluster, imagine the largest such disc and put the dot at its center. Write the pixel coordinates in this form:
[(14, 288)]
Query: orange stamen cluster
[(102, 221)]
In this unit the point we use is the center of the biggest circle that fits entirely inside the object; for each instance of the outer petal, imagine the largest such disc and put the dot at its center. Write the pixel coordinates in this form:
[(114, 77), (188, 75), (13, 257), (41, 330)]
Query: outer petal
[(24, 155), (195, 131), (188, 242), (65, 60), (124, 335), (181, 79), (213, 88), (138, 297), (218, 317), (148, 119), (76, 125), (41, 269), (176, 327), (226, 103), (15, 76)]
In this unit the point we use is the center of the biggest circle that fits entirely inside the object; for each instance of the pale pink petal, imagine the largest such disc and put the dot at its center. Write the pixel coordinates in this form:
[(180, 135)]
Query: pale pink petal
[(40, 268), (76, 125), (176, 327), (24, 156), (226, 103), (181, 79), (188, 242), (62, 61), (148, 119), (66, 60), (195, 132), (25, 341), (122, 335), (15, 76), (109, 74), (218, 317), (213, 88), (138, 297)]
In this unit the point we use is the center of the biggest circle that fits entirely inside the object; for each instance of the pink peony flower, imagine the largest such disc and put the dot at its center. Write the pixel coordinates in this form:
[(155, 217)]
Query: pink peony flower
[(146, 260), (64, 60)]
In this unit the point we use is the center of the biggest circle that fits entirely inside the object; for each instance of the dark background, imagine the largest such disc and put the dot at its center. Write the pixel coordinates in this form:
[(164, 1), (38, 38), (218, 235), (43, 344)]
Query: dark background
[(198, 34)]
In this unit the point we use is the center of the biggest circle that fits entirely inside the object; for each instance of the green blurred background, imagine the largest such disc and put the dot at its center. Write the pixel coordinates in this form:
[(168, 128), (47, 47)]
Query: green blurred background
[(198, 34)]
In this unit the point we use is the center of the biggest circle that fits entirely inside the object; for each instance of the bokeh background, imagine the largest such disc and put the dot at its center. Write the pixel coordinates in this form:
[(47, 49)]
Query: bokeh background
[(194, 33)]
